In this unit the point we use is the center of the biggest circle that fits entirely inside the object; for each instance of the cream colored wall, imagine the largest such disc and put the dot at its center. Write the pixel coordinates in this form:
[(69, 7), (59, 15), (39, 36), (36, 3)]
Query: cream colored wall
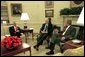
[(58, 5), (36, 11)]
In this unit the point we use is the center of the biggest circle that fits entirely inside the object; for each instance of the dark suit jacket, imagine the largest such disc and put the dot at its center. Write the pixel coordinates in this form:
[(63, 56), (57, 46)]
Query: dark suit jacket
[(13, 33), (50, 28), (70, 33)]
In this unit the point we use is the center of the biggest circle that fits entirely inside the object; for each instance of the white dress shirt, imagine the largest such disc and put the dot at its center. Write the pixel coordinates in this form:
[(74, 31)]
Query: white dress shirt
[(45, 29), (15, 28), (66, 30)]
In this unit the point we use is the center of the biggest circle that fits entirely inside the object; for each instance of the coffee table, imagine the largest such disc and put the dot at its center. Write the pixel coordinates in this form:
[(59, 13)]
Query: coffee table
[(24, 47)]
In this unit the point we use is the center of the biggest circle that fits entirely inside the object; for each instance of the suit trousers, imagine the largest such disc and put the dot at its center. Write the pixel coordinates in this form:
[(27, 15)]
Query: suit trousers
[(52, 46), (41, 38)]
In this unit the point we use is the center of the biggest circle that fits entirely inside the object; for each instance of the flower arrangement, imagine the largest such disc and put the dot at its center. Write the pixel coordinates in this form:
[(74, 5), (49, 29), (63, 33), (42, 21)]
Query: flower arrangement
[(11, 42)]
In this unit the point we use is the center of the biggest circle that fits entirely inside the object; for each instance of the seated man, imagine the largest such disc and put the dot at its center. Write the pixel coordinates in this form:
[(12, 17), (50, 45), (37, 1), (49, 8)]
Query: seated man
[(45, 31), (68, 33), (15, 30), (54, 40)]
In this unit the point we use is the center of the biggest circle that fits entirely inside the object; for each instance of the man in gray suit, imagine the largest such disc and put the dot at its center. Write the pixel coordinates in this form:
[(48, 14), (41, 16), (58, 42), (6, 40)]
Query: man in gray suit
[(69, 32)]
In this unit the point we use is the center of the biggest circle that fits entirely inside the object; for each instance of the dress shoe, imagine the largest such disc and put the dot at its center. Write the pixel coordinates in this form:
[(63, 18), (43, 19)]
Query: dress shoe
[(35, 47), (50, 53)]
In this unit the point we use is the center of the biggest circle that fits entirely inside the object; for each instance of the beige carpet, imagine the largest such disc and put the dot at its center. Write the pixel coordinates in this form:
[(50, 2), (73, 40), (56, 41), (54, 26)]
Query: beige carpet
[(41, 51)]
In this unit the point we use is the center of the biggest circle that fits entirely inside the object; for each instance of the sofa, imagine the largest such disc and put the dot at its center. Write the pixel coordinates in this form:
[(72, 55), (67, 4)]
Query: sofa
[(72, 52)]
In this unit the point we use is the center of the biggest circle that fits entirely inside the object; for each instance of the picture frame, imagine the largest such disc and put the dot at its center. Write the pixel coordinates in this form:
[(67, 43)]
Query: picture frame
[(49, 13), (76, 4), (16, 9), (49, 4)]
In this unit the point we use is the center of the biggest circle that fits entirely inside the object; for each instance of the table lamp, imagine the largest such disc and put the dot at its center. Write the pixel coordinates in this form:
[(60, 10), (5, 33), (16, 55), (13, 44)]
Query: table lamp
[(80, 20), (25, 17)]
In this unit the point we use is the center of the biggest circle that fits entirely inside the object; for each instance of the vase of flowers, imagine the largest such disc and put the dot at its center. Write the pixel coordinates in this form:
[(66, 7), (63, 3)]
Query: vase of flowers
[(11, 42)]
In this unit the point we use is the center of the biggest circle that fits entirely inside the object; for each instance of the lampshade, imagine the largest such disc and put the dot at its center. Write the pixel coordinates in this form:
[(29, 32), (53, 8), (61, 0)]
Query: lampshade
[(24, 16), (4, 22), (81, 18)]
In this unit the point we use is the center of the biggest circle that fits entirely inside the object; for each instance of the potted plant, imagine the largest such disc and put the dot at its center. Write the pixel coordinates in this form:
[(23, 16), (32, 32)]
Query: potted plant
[(71, 11)]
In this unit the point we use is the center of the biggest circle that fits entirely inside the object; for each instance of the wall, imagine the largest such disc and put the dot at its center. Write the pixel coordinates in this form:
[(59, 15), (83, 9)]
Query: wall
[(58, 5), (36, 11)]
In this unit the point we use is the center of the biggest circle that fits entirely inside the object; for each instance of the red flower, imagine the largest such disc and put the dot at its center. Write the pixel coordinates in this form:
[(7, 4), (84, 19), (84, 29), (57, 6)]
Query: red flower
[(11, 41)]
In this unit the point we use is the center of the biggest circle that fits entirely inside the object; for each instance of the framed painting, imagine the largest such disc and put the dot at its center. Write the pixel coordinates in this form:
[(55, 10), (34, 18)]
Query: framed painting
[(49, 4), (49, 13), (76, 4), (16, 9)]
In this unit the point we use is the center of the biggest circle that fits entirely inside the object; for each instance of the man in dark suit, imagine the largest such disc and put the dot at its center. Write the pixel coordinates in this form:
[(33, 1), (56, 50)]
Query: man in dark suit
[(45, 31), (68, 33), (15, 30)]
